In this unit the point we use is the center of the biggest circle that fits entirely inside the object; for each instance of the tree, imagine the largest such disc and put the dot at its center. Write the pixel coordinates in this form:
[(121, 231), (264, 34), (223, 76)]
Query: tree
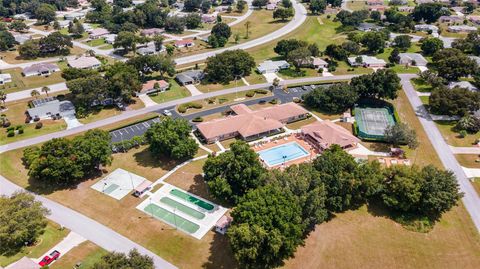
[(55, 44), (454, 64), (76, 28), (376, 15), (401, 188), (283, 13), (241, 4), (317, 6), (354, 18), (267, 227), (122, 3), (93, 149), (226, 66), (126, 40), (299, 57), (175, 24), (29, 49), (259, 3), (3, 97), (74, 73), (382, 84), (337, 171), (394, 57), (22, 221), (431, 45), (400, 134), (171, 138), (337, 52), (285, 46), (193, 20), (18, 26), (454, 102), (429, 12), (247, 29), (134, 259), (334, 3), (286, 3), (206, 6), (45, 13), (86, 90), (192, 5), (123, 80), (351, 48), (469, 123), (34, 93), (334, 99), (402, 42), (219, 35), (147, 64), (45, 90), (233, 173), (158, 42), (374, 41), (7, 41)]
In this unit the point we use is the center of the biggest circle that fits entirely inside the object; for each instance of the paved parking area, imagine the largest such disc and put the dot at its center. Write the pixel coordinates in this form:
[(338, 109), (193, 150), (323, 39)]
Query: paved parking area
[(130, 131)]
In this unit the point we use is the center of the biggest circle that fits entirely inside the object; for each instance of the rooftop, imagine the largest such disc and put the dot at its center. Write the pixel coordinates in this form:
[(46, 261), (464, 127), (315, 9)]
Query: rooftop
[(84, 62), (327, 133)]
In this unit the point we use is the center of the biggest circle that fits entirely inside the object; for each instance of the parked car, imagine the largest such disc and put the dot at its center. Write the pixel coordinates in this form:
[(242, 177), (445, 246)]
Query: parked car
[(167, 112), (47, 260)]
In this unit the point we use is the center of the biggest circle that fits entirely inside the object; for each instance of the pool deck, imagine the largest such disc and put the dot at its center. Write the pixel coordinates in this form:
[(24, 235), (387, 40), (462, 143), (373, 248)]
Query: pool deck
[(206, 224), (263, 145)]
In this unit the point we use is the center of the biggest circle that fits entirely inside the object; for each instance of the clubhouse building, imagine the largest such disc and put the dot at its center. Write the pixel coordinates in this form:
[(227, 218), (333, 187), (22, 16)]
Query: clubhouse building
[(250, 124)]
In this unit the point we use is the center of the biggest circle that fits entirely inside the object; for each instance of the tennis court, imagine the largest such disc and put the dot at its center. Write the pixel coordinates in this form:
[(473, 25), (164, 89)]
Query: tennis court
[(185, 209), (118, 183), (372, 122), (191, 199), (172, 219)]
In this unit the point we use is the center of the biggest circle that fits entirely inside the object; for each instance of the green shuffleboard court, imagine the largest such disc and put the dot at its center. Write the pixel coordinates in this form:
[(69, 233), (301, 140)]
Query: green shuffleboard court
[(111, 188), (181, 207), (191, 199), (172, 219)]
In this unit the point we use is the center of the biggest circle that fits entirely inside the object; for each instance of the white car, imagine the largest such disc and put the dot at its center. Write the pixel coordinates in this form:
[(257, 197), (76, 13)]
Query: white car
[(167, 112)]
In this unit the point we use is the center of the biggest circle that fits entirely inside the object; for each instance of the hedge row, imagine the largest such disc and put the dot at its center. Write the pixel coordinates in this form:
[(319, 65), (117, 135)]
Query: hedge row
[(126, 145), (184, 107)]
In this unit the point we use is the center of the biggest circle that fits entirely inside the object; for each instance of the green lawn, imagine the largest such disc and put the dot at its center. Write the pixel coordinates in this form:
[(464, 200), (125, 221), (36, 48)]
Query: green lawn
[(52, 235), (20, 83), (87, 254), (96, 42), (175, 92), (447, 128)]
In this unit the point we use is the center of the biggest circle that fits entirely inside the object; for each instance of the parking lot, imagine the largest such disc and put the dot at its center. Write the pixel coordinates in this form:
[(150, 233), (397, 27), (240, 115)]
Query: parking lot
[(130, 131)]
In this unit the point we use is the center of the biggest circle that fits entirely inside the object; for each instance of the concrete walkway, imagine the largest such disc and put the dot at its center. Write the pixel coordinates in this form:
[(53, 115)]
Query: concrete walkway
[(362, 150), (147, 101), (68, 243), (465, 150), (194, 91), (471, 172)]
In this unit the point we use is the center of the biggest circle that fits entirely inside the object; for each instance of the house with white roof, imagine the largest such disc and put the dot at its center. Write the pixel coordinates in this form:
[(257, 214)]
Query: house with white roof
[(426, 28), (98, 33), (5, 78), (462, 84), (461, 29), (84, 62), (110, 38), (40, 69), (74, 15), (272, 66), (366, 61), (415, 59)]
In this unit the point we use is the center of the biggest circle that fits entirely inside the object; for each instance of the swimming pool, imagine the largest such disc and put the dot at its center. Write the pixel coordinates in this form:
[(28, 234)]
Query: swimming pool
[(286, 152)]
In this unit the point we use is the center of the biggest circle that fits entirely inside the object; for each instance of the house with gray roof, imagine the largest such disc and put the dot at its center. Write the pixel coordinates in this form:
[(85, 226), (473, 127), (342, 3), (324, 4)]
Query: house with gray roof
[(51, 109), (462, 84), (20, 38), (415, 59), (74, 15), (461, 29), (5, 78), (149, 49), (367, 27), (366, 61), (190, 77), (84, 62), (40, 69), (426, 28), (475, 58), (272, 66)]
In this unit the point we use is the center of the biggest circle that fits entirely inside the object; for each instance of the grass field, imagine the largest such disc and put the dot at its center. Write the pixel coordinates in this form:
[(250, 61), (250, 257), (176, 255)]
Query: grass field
[(20, 83), (213, 87), (175, 92), (12, 57), (452, 137), (299, 124), (468, 160), (86, 254), (52, 235), (109, 112)]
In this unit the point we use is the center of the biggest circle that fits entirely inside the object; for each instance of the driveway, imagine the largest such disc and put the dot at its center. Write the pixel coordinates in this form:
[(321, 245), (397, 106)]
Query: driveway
[(465, 150), (72, 121), (270, 77), (470, 199), (70, 241), (193, 90), (147, 101)]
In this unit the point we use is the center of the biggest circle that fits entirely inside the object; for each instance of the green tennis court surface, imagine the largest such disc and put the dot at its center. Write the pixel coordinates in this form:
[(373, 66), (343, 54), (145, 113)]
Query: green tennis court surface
[(372, 122), (191, 199), (111, 188), (172, 219), (185, 209)]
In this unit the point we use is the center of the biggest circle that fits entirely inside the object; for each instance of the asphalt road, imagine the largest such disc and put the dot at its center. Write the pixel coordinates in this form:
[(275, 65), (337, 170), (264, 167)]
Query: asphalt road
[(87, 227), (133, 113), (471, 199)]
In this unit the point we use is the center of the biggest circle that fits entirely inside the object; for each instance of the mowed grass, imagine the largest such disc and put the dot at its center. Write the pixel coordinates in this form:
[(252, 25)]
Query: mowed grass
[(468, 160), (12, 57), (16, 115), (108, 112), (175, 92), (453, 138), (20, 83), (175, 246), (53, 235), (86, 254), (366, 239)]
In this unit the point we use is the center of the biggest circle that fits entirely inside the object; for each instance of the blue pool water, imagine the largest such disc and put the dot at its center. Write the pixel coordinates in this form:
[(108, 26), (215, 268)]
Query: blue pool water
[(275, 156)]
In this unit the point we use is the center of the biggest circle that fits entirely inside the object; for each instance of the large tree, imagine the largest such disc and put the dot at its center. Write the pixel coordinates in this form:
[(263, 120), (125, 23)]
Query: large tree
[(86, 90), (453, 64), (226, 66), (456, 102), (431, 45), (402, 188), (7, 40), (124, 80), (403, 42), (93, 149), (354, 18), (383, 84), (285, 46), (115, 260), (374, 41), (220, 34), (147, 64), (283, 13), (233, 173), (127, 41), (171, 138), (55, 44), (401, 134), (334, 99), (22, 221), (45, 13), (317, 6), (429, 12)]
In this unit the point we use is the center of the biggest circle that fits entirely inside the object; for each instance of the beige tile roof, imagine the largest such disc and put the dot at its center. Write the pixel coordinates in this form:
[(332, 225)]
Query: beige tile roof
[(151, 84), (327, 133)]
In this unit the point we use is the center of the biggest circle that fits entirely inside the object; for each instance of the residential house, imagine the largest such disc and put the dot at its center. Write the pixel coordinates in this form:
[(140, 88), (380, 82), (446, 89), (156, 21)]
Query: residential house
[(149, 49), (40, 69), (190, 77), (426, 28), (318, 62), (461, 29), (251, 124), (209, 18), (415, 59), (74, 15), (5, 78), (22, 16), (451, 19), (84, 62), (149, 87), (366, 61), (405, 9), (223, 223), (150, 32), (377, 8), (475, 58), (98, 33), (184, 43), (271, 6), (367, 27), (272, 66), (21, 38), (51, 108), (423, 1), (24, 263), (374, 2), (323, 134), (110, 38), (462, 84), (474, 18)]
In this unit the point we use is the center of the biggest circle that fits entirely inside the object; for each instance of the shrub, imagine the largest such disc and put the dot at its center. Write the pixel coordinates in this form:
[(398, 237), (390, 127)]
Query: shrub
[(273, 101), (21, 130), (18, 127), (10, 133), (197, 119), (469, 123), (462, 133), (6, 124), (10, 129), (39, 125), (261, 91), (184, 107), (250, 94)]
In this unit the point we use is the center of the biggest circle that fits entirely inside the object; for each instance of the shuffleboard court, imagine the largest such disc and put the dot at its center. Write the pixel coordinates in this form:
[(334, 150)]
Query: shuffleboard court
[(181, 207), (191, 199), (172, 219), (372, 122)]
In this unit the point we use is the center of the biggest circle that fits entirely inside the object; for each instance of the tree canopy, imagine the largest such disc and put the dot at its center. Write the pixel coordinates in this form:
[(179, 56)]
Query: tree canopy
[(382, 84), (334, 99), (114, 260), (429, 12), (431, 45), (226, 66), (453, 64), (455, 102)]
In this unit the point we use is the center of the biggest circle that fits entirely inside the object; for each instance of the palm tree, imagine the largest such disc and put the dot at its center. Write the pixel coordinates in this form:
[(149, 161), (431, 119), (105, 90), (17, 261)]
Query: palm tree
[(34, 93), (247, 25), (3, 97), (45, 89)]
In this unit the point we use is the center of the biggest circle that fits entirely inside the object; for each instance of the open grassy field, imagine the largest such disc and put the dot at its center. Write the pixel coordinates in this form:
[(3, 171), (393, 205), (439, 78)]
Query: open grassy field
[(52, 235), (15, 113), (365, 238), (12, 57), (468, 160), (357, 5), (175, 92), (452, 138), (86, 254), (212, 87), (20, 83), (299, 124), (110, 112)]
